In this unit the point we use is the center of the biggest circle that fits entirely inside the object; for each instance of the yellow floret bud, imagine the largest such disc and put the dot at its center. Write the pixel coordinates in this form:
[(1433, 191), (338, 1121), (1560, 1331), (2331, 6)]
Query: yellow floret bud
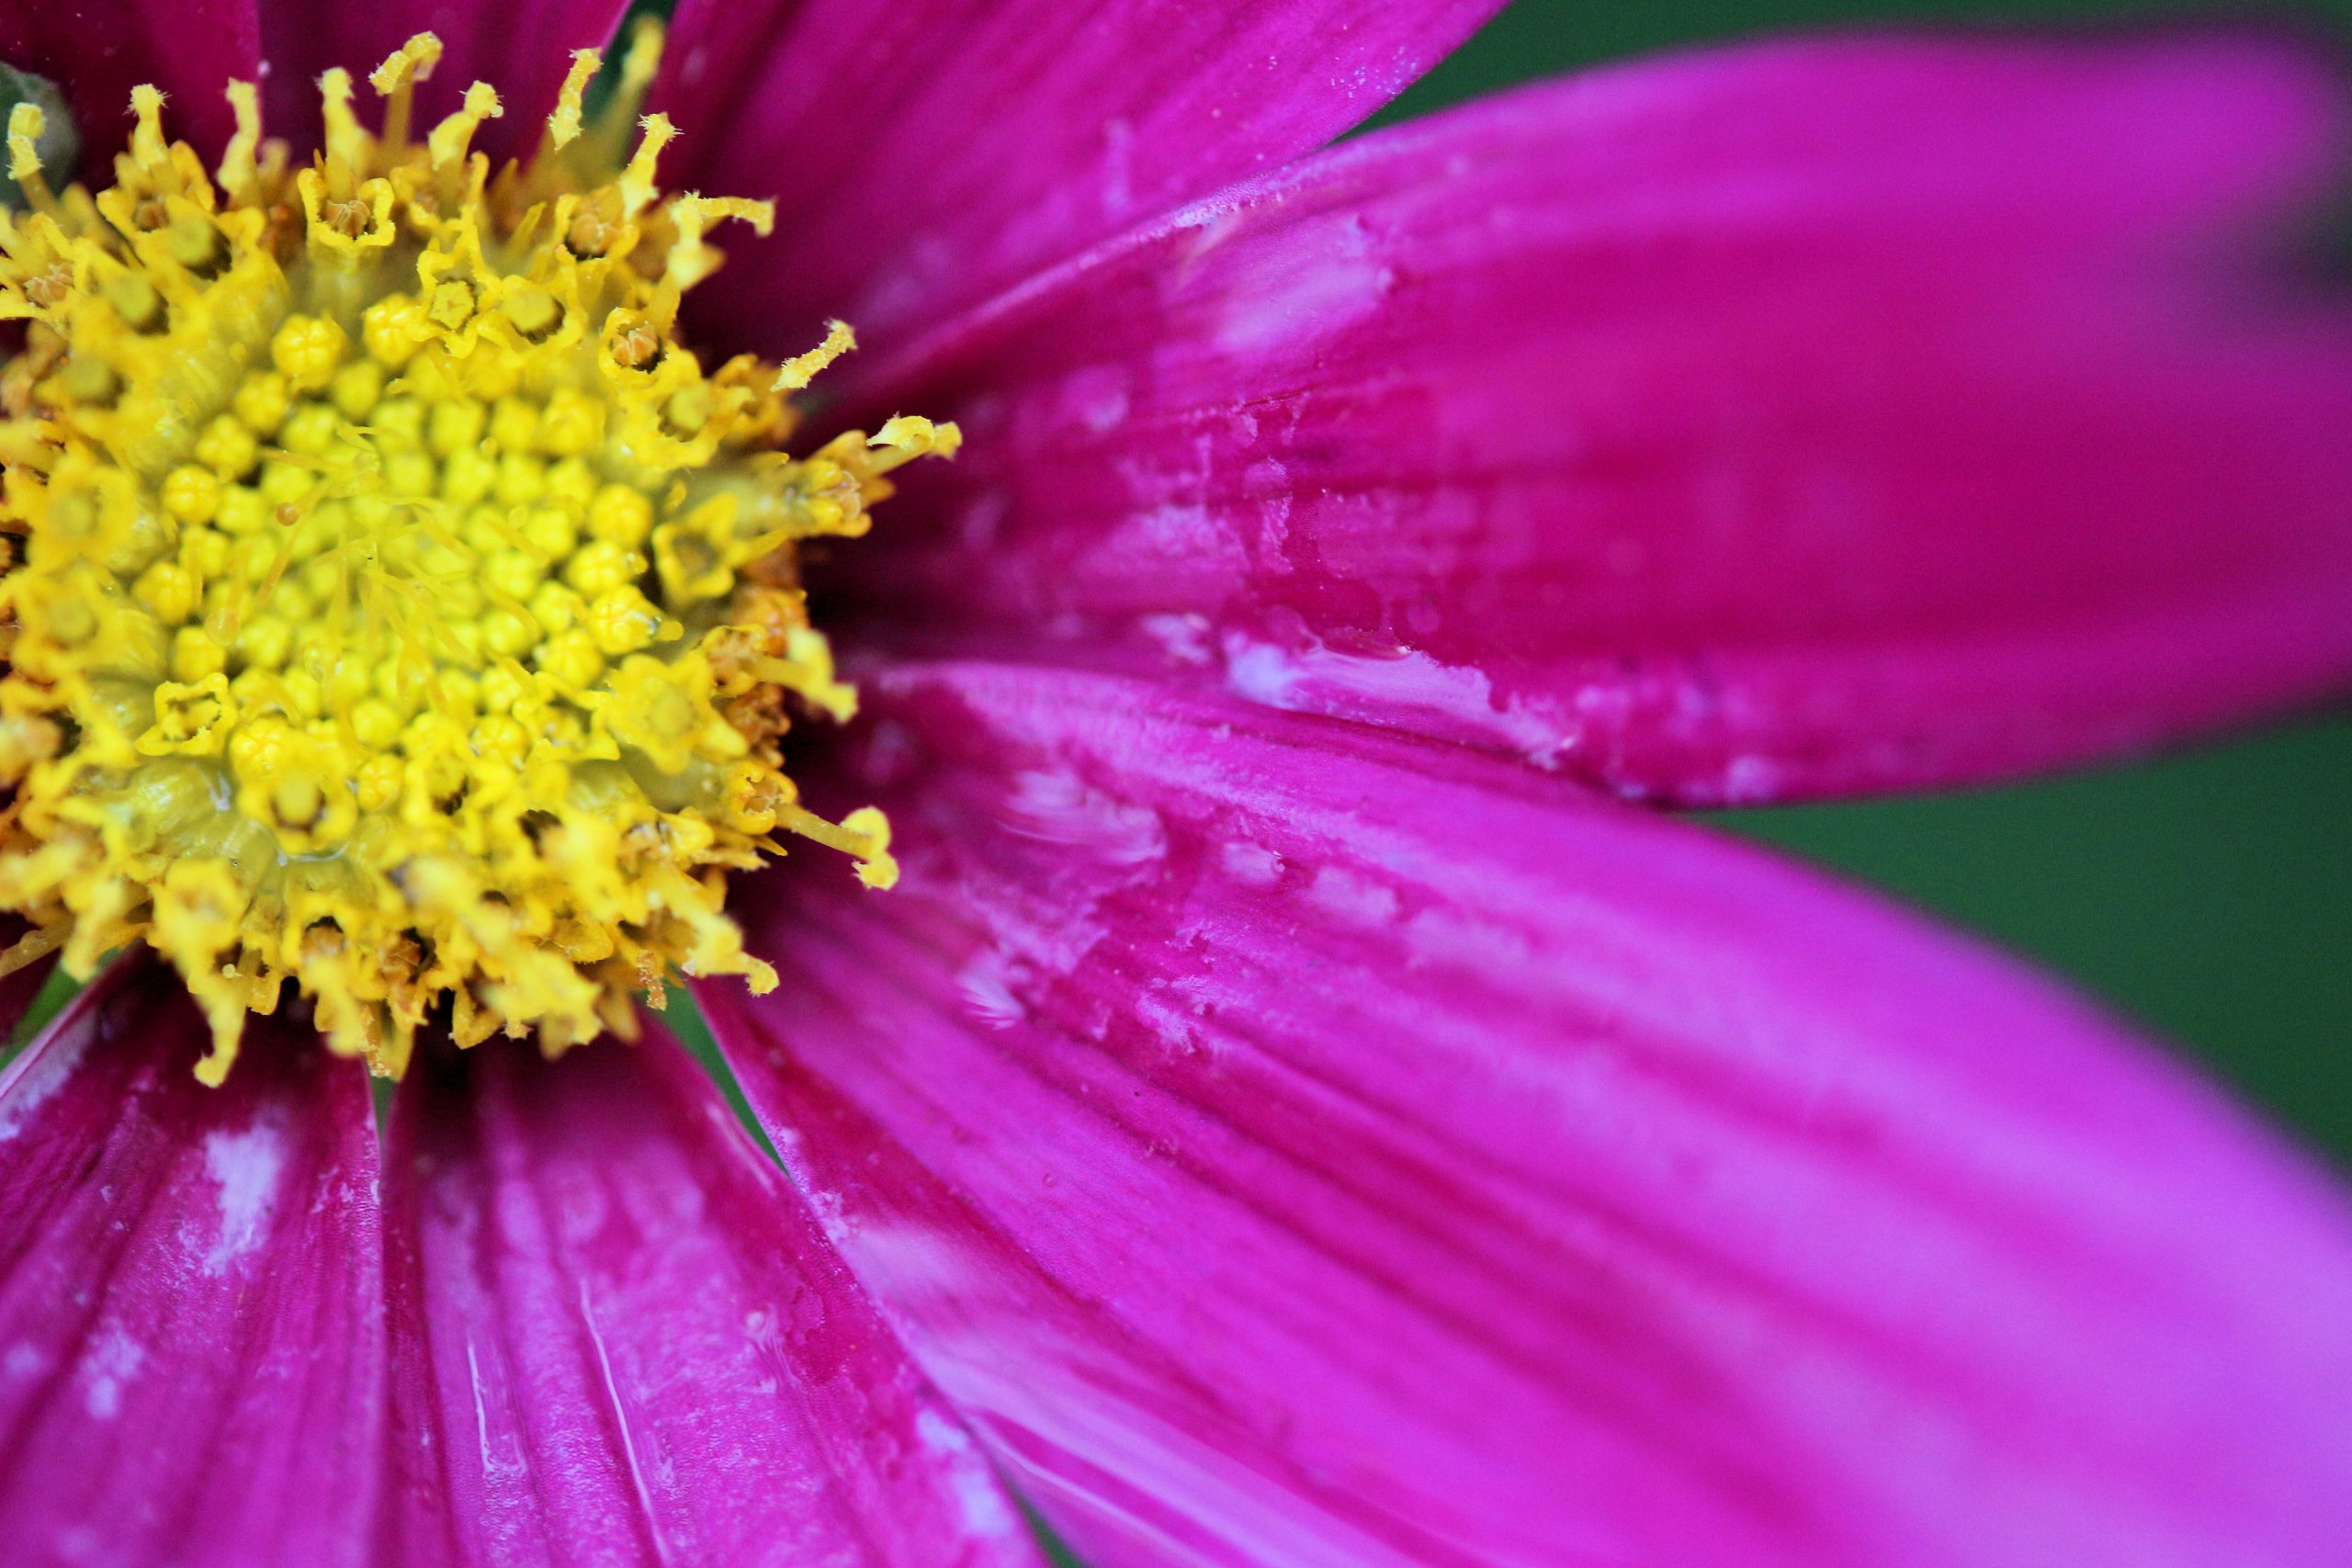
[(355, 388), (623, 620), (242, 510), (307, 349), (262, 400), (172, 591), (378, 784), (572, 660), (520, 479), (549, 532), (514, 425), (570, 484), (601, 567), (227, 448), (375, 723), (195, 655), (398, 424), (467, 476), (192, 494), (411, 474), (620, 515), (572, 423), (455, 425), (393, 330), (515, 574), (265, 642), (312, 430), (508, 633)]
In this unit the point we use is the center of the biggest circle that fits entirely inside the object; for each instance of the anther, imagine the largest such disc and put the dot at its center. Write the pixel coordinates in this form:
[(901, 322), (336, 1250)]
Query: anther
[(49, 286), (589, 234), (347, 216), (637, 347)]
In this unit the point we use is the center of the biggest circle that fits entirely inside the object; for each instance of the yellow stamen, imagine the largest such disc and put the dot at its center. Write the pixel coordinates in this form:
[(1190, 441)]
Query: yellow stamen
[(904, 437), (148, 148), (26, 123), (238, 172), (563, 125), (864, 834), (638, 185), (691, 260), (347, 143), (398, 607), (449, 140), (803, 369), (396, 79)]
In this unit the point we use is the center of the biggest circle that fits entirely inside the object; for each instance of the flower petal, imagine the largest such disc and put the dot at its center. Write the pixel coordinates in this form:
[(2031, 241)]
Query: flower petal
[(619, 1338), (1291, 1143), (191, 1350), (96, 50), (926, 155), (1801, 419), (521, 47)]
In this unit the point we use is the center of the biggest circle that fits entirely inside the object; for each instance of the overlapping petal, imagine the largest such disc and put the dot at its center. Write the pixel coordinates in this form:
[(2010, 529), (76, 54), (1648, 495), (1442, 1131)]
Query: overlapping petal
[(1799, 418), (927, 153), (96, 50), (619, 1338), (521, 47), (191, 1333), (1293, 1144)]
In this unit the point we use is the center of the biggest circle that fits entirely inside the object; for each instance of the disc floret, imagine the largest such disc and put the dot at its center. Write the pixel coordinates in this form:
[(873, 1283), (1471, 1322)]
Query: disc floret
[(400, 608)]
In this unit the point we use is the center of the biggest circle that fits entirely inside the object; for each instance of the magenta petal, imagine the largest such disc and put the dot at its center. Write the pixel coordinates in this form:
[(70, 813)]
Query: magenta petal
[(521, 47), (1290, 1143), (1800, 419), (98, 49), (620, 1337), (191, 1330), (926, 152)]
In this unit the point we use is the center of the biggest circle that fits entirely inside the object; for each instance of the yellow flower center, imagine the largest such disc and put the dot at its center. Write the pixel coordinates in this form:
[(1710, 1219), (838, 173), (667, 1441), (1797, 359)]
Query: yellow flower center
[(400, 608)]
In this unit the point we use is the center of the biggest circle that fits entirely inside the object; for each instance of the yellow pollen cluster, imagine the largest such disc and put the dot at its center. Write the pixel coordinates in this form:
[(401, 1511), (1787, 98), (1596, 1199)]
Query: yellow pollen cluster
[(394, 605)]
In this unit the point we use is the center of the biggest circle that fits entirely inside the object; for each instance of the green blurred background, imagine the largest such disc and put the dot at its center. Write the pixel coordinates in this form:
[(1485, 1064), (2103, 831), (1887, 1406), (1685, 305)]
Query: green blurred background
[(2209, 893)]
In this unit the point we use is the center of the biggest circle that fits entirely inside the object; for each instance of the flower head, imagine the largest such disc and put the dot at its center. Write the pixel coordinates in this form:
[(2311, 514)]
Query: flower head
[(379, 502)]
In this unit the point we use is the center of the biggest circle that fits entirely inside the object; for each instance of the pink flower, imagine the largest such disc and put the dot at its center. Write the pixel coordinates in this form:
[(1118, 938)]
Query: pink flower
[(1288, 1112)]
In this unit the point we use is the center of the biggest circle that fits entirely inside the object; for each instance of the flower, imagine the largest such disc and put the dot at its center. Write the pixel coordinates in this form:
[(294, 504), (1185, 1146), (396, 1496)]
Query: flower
[(1287, 1110)]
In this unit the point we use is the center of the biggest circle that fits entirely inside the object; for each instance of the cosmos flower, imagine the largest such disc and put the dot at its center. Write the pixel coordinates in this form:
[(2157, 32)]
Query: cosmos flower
[(1267, 1096)]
